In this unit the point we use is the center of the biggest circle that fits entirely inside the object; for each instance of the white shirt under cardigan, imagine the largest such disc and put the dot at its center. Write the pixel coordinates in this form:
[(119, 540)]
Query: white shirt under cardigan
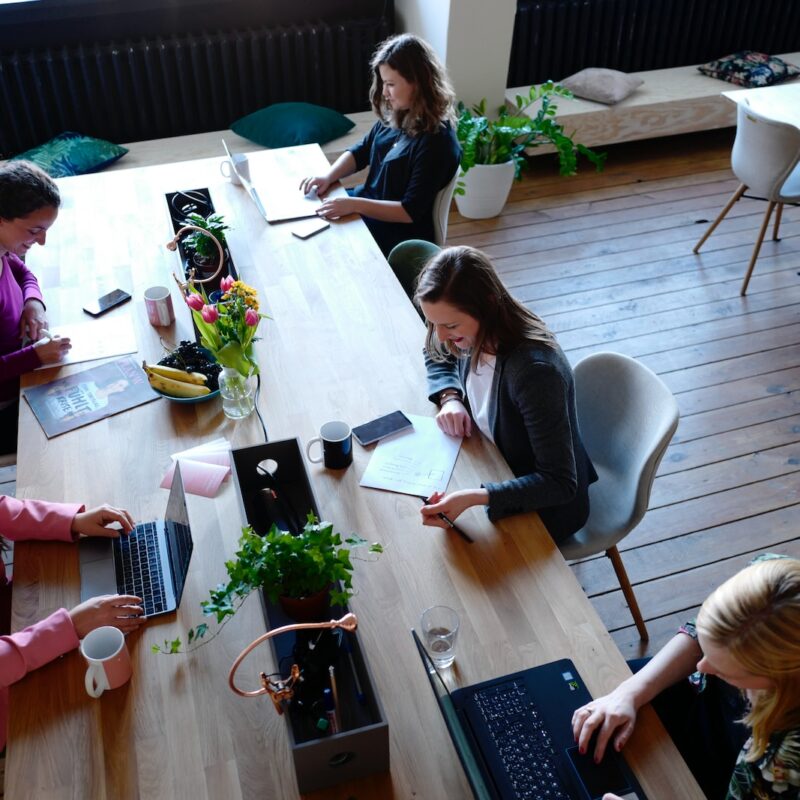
[(479, 394)]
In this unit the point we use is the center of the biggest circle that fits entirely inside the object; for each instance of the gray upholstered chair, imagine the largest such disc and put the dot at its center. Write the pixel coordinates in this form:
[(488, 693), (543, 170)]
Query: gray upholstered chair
[(407, 260), (627, 417), (441, 209)]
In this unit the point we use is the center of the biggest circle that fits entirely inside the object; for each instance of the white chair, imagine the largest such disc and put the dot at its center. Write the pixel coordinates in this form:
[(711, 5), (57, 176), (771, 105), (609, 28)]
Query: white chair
[(441, 209), (765, 159), (627, 416)]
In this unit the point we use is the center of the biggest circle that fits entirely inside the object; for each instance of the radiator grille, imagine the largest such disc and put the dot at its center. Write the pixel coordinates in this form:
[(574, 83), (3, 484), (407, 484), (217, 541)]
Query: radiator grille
[(171, 86), (554, 38)]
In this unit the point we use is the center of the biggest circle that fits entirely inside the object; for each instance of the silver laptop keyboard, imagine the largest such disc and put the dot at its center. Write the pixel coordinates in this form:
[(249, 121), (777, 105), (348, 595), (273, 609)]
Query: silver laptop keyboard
[(522, 741), (138, 567)]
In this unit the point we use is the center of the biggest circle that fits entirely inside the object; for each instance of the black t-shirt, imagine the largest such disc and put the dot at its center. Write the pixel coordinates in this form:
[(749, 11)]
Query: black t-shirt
[(411, 169)]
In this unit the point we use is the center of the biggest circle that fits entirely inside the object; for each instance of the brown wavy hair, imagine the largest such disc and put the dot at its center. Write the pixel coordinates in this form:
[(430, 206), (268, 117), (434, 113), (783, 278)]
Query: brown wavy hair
[(755, 616), (24, 188), (415, 60), (465, 278)]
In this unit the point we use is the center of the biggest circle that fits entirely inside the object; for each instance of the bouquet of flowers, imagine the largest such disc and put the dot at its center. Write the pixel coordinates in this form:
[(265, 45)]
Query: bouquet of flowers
[(228, 327)]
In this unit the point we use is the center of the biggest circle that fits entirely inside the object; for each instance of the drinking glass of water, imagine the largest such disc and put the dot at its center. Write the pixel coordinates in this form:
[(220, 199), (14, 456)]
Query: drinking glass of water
[(439, 625)]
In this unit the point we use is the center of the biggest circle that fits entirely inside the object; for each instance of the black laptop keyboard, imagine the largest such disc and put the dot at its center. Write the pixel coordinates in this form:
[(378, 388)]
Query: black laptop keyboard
[(138, 567), (523, 743)]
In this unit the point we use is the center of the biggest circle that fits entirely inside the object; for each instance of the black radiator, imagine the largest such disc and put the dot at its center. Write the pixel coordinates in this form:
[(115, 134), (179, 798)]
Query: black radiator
[(554, 38), (170, 86)]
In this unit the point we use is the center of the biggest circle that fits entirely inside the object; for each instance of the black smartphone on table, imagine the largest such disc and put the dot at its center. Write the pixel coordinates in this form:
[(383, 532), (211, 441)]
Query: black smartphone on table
[(107, 302), (380, 428)]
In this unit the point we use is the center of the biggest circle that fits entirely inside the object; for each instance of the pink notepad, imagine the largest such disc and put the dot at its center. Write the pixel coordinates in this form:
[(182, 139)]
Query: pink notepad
[(199, 477)]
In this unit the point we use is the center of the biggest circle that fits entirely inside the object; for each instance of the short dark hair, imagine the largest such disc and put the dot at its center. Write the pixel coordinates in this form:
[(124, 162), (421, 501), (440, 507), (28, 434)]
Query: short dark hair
[(24, 188), (465, 278), (417, 62)]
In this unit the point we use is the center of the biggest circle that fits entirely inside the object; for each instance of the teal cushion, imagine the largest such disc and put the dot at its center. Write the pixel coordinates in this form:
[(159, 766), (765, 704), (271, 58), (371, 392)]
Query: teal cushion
[(287, 124), (73, 154)]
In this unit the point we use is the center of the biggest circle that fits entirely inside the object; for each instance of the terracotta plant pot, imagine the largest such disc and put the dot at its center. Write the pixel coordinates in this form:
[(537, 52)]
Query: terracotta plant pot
[(311, 608)]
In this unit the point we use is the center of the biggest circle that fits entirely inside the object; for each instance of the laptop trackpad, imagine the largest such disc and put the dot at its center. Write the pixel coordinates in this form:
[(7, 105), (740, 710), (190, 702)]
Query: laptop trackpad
[(97, 568)]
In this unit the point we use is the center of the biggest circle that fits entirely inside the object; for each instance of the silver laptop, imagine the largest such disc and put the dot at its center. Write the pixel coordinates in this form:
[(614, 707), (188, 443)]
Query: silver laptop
[(282, 203), (151, 562)]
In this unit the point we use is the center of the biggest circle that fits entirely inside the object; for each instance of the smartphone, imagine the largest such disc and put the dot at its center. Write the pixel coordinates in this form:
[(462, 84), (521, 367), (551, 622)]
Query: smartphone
[(309, 227), (381, 427), (107, 302)]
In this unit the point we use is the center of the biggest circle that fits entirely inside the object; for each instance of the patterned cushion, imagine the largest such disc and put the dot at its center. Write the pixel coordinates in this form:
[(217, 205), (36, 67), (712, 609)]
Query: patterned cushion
[(73, 154), (287, 124), (750, 69)]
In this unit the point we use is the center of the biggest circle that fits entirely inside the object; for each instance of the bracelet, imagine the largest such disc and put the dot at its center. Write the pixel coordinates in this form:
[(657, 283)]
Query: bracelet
[(449, 394)]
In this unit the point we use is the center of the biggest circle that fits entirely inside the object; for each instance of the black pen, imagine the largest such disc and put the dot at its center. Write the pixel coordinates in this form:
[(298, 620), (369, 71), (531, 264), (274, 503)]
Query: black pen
[(466, 537)]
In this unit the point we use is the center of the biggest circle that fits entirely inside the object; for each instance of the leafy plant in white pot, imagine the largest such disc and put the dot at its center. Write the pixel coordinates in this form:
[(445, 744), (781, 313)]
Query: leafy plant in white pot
[(493, 151)]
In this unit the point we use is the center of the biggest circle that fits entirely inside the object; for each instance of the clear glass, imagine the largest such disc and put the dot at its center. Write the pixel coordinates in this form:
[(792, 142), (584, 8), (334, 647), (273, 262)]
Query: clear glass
[(238, 393), (439, 626)]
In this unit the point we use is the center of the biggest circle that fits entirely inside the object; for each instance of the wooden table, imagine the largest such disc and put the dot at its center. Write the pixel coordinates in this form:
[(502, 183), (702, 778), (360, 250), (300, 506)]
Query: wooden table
[(343, 342)]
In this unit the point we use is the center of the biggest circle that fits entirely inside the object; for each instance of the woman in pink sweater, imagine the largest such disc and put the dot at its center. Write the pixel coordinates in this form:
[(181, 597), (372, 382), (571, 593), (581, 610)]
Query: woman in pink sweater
[(60, 632), (29, 201)]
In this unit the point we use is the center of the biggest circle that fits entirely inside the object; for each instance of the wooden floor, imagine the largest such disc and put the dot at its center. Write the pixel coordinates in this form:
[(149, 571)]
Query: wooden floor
[(607, 261)]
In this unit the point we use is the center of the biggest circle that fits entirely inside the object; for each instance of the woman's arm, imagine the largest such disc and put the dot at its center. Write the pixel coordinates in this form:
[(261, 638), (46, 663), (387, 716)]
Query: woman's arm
[(383, 210), (37, 519), (33, 319)]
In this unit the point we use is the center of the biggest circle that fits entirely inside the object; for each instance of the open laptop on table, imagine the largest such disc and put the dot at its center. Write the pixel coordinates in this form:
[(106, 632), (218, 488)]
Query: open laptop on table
[(151, 562), (514, 736), (282, 203)]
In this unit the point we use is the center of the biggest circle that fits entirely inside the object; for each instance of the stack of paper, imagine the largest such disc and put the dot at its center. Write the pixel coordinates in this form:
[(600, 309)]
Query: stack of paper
[(203, 468)]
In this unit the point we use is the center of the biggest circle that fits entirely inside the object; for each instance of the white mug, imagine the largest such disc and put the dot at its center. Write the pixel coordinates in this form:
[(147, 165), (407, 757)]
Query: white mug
[(108, 659), (242, 165)]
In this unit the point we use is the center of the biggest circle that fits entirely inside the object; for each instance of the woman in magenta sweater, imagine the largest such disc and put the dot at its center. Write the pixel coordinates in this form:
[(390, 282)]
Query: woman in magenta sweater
[(29, 201), (61, 631)]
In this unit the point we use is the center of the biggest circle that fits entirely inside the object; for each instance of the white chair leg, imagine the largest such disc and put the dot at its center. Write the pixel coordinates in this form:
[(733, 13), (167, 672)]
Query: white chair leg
[(778, 215), (764, 225), (627, 591), (736, 195)]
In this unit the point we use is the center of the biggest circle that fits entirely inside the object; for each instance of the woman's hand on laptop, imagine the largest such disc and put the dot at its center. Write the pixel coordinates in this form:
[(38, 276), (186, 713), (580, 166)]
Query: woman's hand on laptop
[(96, 521), (613, 715), (123, 611), (319, 182)]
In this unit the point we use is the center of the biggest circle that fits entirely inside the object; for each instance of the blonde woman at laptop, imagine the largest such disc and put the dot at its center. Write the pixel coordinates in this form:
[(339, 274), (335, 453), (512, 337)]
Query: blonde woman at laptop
[(60, 632), (744, 697), (412, 151)]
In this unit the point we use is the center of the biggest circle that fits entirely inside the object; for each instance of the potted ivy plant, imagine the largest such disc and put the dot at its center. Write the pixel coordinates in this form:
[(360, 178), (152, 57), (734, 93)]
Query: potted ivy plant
[(306, 573), (205, 251), (493, 150)]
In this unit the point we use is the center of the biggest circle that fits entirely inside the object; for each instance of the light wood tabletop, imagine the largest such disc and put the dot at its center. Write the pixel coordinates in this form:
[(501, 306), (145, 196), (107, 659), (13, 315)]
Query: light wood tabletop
[(343, 342), (780, 103)]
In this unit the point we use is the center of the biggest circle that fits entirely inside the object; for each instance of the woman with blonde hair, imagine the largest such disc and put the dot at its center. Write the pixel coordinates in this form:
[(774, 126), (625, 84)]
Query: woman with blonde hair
[(494, 365), (747, 635), (412, 151)]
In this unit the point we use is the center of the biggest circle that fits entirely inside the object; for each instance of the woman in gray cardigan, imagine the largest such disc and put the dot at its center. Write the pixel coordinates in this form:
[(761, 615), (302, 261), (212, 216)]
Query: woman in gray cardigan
[(494, 365)]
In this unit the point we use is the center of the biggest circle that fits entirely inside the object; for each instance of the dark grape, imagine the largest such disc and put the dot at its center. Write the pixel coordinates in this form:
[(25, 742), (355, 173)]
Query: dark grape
[(191, 357)]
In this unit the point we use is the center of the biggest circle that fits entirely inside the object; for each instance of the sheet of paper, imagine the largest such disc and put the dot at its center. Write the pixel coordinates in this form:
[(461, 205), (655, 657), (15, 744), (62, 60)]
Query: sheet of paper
[(96, 338), (418, 462), (198, 477), (217, 451)]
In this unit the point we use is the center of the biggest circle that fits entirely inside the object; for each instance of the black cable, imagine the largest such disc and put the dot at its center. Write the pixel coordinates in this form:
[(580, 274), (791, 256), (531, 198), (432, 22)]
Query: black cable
[(260, 418)]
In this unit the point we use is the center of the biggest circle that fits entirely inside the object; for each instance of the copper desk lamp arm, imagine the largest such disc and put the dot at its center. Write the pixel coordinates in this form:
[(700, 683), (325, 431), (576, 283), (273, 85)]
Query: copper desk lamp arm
[(173, 246)]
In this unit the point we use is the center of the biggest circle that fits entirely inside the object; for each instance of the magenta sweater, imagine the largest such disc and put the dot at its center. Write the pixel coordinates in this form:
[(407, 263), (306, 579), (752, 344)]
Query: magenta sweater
[(17, 284)]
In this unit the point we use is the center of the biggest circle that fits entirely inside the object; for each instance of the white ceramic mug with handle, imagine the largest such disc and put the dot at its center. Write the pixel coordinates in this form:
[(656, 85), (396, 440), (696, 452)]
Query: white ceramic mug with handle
[(109, 661)]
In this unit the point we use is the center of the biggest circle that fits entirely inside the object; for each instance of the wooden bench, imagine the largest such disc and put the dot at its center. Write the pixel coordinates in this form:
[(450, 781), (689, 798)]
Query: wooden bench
[(669, 102), (207, 145)]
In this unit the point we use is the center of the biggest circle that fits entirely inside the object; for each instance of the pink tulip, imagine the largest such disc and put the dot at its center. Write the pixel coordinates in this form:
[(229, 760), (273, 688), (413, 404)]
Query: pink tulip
[(226, 283), (209, 314), (194, 301), (251, 317)]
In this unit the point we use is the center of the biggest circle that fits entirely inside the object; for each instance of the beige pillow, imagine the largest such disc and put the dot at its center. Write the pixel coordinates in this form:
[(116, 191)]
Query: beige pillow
[(607, 86)]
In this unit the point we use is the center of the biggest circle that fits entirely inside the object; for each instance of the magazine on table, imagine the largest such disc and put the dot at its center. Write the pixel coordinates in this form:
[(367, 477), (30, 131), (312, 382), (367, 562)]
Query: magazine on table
[(88, 396)]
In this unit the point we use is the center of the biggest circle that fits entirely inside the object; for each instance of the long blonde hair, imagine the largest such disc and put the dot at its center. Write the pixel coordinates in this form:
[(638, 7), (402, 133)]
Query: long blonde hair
[(755, 616)]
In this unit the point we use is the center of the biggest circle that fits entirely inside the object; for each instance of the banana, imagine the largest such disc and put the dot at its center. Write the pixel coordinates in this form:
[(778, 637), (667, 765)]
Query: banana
[(175, 374), (176, 388)]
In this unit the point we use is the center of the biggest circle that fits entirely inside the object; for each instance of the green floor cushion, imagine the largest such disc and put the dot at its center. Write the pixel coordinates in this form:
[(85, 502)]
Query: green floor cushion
[(287, 124), (73, 154)]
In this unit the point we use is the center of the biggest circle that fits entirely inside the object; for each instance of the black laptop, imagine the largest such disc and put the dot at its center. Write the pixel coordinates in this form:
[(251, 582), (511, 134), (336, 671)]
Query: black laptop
[(514, 736), (151, 562)]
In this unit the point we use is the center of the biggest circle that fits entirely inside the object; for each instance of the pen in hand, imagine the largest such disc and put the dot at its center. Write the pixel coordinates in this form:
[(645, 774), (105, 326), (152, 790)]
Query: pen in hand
[(466, 537)]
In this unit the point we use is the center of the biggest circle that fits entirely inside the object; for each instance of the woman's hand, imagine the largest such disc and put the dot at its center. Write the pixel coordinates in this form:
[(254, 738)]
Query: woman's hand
[(338, 207), (33, 320), (454, 419), (451, 505), (612, 715), (319, 182), (94, 522), (123, 611), (52, 350)]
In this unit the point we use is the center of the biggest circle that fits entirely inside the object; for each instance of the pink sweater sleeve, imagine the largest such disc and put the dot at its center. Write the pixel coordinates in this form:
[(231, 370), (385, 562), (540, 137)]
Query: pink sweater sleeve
[(25, 278), (37, 519)]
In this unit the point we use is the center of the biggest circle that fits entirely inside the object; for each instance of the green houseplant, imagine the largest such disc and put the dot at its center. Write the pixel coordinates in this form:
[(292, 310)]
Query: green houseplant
[(205, 250), (493, 150), (316, 561)]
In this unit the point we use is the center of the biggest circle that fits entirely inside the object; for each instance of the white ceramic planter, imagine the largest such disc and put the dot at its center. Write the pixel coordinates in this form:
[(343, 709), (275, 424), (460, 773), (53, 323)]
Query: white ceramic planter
[(486, 188)]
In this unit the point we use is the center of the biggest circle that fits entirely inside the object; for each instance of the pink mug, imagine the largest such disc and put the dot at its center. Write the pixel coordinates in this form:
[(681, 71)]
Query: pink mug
[(158, 302), (108, 659)]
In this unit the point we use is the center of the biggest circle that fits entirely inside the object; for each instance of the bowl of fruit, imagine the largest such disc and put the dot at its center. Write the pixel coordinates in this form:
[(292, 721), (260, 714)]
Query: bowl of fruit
[(189, 374)]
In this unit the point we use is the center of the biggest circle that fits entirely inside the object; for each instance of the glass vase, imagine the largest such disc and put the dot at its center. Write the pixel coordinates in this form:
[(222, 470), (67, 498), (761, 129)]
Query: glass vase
[(238, 393)]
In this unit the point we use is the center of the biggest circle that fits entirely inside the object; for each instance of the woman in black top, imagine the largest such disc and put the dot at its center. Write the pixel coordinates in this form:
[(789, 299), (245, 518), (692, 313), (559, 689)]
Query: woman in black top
[(412, 151)]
